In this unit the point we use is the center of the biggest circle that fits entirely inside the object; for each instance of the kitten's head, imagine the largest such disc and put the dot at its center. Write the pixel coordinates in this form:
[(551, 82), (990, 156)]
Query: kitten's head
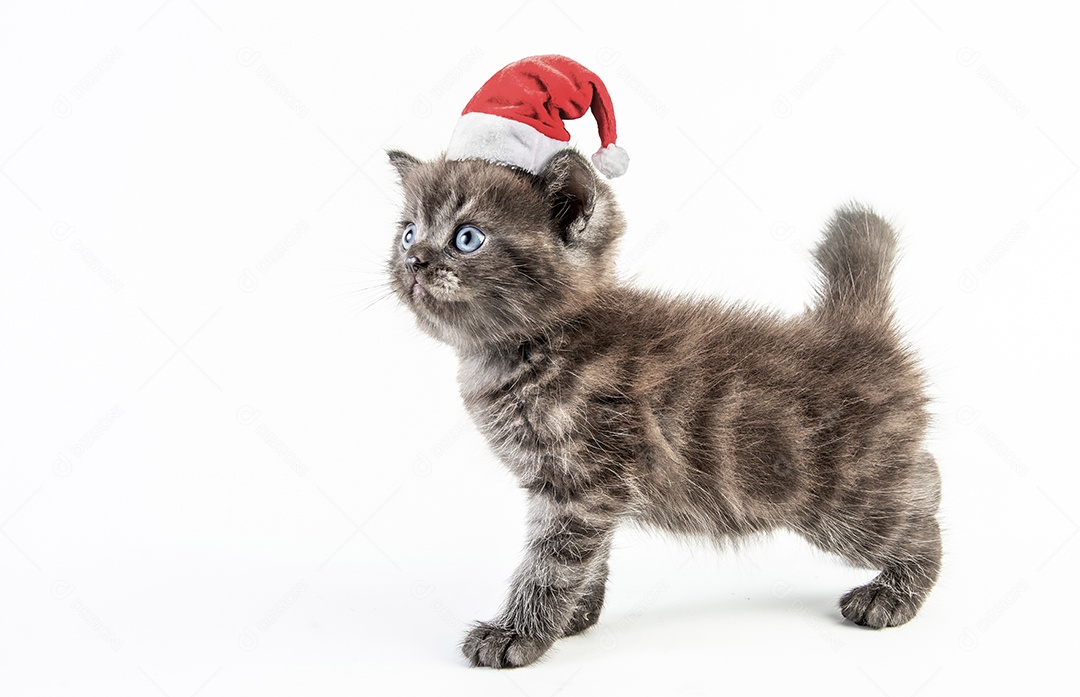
[(486, 254)]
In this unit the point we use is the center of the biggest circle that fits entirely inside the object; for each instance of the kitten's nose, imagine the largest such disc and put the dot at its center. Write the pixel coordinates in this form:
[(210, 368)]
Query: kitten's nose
[(414, 263)]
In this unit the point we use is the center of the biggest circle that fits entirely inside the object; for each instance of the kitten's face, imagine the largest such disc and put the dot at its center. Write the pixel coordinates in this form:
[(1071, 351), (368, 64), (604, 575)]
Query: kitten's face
[(485, 254)]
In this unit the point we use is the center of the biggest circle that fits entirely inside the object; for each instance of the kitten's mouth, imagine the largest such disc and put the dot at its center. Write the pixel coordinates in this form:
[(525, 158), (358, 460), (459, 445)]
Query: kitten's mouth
[(417, 289)]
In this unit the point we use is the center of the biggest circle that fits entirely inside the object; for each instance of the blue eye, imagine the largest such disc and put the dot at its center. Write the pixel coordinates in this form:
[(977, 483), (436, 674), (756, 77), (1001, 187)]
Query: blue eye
[(408, 236), (468, 239)]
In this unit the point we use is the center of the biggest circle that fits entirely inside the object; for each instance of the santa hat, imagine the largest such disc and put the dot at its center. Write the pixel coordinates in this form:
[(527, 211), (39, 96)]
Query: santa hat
[(517, 116)]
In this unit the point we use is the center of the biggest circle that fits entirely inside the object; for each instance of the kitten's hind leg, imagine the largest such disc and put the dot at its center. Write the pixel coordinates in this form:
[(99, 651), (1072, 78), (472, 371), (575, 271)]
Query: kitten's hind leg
[(898, 592)]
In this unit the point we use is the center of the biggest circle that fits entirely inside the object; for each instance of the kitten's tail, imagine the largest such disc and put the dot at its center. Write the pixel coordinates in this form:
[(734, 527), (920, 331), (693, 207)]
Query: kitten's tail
[(856, 260)]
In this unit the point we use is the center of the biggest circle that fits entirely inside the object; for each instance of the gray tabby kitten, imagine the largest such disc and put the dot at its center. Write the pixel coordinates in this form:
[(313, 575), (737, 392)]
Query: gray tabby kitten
[(610, 403)]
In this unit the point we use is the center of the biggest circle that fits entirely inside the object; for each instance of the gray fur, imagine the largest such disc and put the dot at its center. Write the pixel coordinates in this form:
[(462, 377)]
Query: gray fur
[(611, 404)]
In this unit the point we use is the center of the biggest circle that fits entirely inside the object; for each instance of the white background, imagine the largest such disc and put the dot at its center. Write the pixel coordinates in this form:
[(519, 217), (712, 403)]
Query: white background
[(231, 465)]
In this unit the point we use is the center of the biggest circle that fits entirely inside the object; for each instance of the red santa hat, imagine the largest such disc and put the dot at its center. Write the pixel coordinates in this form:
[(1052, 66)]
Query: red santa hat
[(516, 118)]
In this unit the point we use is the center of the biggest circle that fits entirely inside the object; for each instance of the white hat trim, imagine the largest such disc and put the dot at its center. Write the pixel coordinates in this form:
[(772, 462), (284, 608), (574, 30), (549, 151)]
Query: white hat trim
[(497, 139)]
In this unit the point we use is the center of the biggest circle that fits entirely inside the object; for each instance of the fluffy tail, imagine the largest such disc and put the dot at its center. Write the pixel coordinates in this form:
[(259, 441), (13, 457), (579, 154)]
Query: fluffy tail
[(856, 260)]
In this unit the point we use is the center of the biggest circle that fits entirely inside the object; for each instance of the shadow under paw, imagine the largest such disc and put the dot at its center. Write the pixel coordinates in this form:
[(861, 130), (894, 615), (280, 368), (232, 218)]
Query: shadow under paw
[(501, 647), (876, 606)]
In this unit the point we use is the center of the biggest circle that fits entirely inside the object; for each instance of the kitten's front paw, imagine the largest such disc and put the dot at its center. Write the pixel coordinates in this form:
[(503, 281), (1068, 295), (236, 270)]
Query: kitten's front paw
[(501, 647)]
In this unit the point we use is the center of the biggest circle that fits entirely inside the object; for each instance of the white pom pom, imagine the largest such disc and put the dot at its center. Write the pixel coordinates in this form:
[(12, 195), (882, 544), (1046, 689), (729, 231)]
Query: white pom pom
[(612, 161)]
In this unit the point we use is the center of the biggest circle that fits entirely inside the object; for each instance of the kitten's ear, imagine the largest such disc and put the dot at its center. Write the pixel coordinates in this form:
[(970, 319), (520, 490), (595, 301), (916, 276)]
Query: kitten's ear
[(570, 186), (403, 162)]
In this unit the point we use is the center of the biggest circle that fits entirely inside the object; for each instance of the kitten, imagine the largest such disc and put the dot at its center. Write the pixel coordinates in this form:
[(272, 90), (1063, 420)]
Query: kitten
[(610, 403)]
